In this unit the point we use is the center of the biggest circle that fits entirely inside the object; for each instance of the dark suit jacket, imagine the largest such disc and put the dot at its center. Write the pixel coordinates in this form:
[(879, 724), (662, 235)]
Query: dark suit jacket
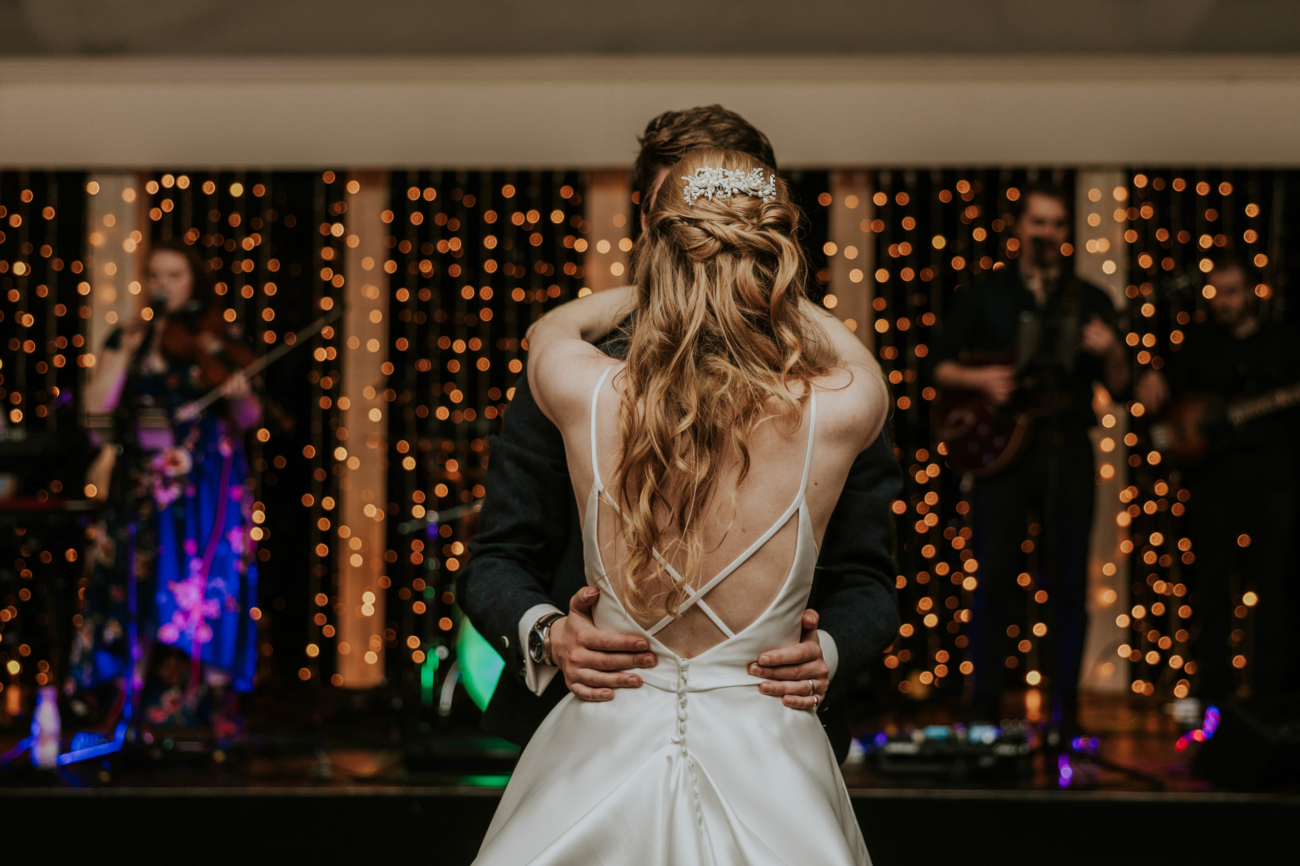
[(528, 551)]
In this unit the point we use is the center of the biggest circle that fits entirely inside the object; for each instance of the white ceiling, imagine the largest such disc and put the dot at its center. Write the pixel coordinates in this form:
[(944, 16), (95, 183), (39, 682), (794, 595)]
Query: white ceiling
[(614, 27)]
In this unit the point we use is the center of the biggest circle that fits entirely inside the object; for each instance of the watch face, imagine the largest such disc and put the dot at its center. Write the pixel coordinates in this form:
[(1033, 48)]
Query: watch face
[(535, 646)]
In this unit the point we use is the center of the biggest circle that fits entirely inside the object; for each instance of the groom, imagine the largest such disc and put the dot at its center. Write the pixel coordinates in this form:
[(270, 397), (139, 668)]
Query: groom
[(526, 568)]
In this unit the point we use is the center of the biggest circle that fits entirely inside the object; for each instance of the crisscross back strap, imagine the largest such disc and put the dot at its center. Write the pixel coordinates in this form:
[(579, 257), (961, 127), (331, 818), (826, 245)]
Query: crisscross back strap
[(812, 431), (696, 596), (598, 489), (595, 398)]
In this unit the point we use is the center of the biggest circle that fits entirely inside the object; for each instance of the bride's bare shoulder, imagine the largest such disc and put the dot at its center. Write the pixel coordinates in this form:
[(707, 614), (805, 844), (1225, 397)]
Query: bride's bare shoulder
[(564, 380), (852, 403)]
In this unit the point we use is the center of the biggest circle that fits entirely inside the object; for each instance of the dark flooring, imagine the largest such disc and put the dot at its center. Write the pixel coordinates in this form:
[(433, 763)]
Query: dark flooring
[(359, 782)]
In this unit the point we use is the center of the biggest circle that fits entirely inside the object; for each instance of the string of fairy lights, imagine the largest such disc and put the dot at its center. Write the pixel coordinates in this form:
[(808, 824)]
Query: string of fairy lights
[(267, 240), (934, 232), (1176, 221), (476, 257), (472, 258), (42, 311), (937, 231)]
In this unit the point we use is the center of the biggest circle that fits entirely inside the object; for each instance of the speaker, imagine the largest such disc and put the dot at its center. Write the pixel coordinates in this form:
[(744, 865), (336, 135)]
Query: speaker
[(1255, 745)]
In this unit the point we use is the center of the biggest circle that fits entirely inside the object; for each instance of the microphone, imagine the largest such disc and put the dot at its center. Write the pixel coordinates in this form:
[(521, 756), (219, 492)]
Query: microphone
[(157, 301), (1039, 247)]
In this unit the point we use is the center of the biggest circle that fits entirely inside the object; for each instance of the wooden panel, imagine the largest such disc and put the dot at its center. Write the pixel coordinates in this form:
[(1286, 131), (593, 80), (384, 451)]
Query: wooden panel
[(115, 224), (851, 285), (363, 493), (610, 212), (1098, 258)]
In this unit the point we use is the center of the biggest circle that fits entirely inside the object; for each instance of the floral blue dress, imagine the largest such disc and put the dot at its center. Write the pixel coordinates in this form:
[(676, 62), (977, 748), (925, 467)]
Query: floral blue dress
[(195, 562)]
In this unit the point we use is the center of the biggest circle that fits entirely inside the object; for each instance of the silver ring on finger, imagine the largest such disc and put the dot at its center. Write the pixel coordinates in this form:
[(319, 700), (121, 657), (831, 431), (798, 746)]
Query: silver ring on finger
[(816, 702), (812, 688)]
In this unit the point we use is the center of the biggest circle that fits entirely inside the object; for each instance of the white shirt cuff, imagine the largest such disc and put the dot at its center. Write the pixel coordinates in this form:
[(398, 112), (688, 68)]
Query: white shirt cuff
[(537, 677), (829, 651)]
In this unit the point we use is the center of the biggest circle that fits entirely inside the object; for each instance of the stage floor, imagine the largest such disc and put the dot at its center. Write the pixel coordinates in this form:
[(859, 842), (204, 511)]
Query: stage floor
[(345, 741), (431, 795)]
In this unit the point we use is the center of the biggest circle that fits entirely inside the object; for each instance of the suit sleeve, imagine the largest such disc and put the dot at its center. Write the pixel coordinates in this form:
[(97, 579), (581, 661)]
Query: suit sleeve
[(956, 333), (522, 528), (856, 598)]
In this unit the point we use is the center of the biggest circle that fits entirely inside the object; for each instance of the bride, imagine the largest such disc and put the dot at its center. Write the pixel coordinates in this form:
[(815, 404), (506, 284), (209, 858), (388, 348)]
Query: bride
[(710, 461)]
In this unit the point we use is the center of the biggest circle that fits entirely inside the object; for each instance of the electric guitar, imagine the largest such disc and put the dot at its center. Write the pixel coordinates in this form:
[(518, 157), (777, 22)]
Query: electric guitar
[(981, 438)]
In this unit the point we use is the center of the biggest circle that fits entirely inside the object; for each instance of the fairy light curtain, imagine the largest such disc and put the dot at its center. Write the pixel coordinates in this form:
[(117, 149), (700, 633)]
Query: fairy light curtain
[(1176, 221), (472, 259), (475, 258), (272, 244), (42, 313), (934, 233)]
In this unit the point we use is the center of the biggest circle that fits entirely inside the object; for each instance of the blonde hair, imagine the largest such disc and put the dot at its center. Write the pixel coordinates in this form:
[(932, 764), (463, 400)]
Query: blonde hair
[(719, 333)]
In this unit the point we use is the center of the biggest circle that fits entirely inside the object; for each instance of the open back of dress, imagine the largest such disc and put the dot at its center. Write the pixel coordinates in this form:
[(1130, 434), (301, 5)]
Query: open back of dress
[(696, 767), (757, 573)]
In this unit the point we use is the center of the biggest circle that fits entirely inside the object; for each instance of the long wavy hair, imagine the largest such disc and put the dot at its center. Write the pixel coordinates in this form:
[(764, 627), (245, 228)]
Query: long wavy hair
[(720, 346)]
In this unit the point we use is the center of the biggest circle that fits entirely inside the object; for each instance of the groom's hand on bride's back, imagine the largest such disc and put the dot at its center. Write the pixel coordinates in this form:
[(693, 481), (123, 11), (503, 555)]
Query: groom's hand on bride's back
[(796, 674), (594, 661)]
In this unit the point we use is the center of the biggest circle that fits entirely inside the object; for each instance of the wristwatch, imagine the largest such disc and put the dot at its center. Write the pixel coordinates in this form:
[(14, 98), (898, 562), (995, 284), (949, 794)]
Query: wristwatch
[(539, 639)]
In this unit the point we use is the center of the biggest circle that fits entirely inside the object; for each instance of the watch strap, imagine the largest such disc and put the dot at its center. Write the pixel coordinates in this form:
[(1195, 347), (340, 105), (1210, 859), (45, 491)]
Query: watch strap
[(542, 628)]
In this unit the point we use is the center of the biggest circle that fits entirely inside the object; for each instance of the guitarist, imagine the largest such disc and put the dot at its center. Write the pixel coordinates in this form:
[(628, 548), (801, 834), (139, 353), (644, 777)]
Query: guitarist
[(1245, 486), (1046, 493)]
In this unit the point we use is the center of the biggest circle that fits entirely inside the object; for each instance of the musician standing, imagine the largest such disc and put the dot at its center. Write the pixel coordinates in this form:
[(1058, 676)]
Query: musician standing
[(1044, 496), (189, 515), (1242, 508)]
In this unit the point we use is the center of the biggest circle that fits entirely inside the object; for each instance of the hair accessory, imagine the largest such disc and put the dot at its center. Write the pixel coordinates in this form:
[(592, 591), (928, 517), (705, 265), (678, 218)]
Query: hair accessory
[(724, 183)]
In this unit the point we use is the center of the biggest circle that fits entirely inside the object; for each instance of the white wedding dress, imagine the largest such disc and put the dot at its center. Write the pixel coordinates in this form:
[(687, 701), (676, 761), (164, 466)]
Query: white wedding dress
[(694, 768)]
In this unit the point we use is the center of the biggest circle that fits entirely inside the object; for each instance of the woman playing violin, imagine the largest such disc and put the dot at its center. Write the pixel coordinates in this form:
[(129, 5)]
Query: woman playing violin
[(192, 506)]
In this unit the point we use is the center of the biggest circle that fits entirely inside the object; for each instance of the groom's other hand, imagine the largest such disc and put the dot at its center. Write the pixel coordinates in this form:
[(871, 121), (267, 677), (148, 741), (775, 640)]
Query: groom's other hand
[(592, 660), (789, 669)]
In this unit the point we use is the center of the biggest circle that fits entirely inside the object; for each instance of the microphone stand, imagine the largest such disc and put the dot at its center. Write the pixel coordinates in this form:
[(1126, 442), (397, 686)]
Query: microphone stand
[(1050, 314), (126, 434), (1051, 494), (1063, 318)]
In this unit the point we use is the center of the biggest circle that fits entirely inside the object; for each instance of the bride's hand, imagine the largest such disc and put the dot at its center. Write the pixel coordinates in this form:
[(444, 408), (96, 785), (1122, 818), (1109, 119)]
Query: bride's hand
[(593, 660)]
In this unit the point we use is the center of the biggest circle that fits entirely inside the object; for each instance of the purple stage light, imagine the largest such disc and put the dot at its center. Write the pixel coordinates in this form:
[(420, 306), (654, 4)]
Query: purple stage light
[(1065, 770), (1211, 723)]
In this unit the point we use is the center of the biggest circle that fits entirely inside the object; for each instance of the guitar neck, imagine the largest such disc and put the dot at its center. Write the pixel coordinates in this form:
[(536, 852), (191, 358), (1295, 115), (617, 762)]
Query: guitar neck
[(1266, 404)]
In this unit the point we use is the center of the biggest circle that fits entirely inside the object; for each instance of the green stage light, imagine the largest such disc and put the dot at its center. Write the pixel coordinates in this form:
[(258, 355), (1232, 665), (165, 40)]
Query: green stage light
[(480, 665)]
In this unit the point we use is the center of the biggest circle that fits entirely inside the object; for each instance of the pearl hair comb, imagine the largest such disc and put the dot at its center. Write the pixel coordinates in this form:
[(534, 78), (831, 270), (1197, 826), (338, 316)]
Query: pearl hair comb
[(724, 183)]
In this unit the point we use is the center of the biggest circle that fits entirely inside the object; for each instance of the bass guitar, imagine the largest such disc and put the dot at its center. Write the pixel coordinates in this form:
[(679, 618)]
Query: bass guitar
[(1195, 427)]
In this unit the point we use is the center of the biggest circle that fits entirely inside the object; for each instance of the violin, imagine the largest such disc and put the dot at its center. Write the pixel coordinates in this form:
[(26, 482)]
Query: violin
[(202, 338), (219, 355)]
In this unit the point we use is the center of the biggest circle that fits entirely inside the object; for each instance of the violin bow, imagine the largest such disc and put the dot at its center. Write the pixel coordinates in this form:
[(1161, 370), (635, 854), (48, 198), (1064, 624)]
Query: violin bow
[(191, 410)]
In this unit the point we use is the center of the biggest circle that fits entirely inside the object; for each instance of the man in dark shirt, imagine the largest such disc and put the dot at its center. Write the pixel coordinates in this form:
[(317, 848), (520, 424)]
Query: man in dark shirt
[(526, 567), (1242, 506), (1046, 495)]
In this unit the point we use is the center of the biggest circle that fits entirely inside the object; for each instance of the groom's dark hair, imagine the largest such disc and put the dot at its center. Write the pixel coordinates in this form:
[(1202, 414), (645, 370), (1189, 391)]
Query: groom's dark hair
[(673, 134)]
